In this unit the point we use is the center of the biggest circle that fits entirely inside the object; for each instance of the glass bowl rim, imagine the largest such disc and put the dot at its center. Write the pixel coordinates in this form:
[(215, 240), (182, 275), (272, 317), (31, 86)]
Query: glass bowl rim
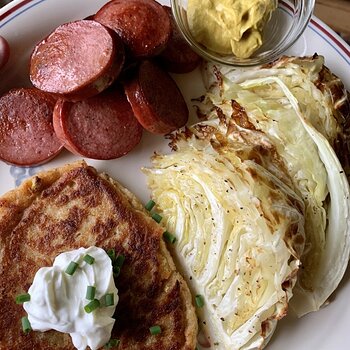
[(267, 56)]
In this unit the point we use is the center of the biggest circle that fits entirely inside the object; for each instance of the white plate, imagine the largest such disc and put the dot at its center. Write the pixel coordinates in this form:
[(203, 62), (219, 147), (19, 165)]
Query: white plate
[(25, 22)]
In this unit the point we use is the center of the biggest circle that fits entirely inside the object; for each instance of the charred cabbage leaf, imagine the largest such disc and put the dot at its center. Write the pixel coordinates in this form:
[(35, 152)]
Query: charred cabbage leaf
[(228, 198), (303, 110)]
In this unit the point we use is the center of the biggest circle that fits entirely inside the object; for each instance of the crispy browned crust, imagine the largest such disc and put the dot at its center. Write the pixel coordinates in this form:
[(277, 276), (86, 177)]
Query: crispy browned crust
[(74, 207), (339, 100)]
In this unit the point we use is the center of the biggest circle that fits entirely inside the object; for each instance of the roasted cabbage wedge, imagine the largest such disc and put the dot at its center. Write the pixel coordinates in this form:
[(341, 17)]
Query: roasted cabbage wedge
[(303, 110), (226, 195), (321, 95)]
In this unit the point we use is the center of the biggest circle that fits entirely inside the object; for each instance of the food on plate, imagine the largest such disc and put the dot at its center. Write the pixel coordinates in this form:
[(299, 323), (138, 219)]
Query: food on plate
[(143, 25), (271, 126), (27, 136), (77, 63), (77, 60), (101, 127), (230, 26), (178, 56), (303, 110), (239, 226), (77, 281), (71, 207), (4, 51), (155, 99)]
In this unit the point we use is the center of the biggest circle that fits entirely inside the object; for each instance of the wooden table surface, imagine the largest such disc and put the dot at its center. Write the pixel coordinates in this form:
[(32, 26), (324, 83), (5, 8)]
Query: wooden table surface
[(336, 13)]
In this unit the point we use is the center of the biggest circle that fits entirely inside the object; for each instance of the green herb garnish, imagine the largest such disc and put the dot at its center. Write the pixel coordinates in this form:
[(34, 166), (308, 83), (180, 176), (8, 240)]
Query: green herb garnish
[(149, 206), (116, 271), (119, 261), (71, 268), (199, 301), (26, 325), (92, 306), (111, 254), (156, 217), (90, 293), (89, 259), (109, 299), (22, 298), (169, 237), (112, 343), (155, 330), (117, 265)]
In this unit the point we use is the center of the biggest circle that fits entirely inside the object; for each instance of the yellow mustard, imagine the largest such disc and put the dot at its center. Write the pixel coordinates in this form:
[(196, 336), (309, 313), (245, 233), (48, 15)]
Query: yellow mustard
[(229, 26)]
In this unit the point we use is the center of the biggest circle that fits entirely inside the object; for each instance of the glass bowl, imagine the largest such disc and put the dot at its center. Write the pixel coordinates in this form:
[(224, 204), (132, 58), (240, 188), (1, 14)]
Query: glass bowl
[(286, 25)]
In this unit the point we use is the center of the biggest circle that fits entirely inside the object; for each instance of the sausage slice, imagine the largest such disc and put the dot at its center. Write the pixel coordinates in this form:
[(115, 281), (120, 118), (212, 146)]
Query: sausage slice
[(77, 60), (143, 25), (27, 136), (178, 56), (156, 100), (4, 51), (101, 127)]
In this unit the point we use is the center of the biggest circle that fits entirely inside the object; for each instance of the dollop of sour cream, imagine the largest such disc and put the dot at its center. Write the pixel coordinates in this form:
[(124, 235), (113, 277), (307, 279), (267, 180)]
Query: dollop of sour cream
[(58, 299)]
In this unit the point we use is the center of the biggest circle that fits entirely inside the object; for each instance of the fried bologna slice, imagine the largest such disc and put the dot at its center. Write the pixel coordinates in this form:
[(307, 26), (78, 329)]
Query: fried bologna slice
[(77, 60), (73, 207)]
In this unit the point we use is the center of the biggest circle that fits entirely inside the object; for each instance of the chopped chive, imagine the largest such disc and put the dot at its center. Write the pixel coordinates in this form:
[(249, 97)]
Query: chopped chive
[(90, 293), (119, 261), (156, 217), (109, 299), (169, 237), (22, 298), (155, 330), (117, 264), (89, 259), (26, 325), (112, 343), (93, 305), (71, 268), (116, 271), (149, 206), (199, 300), (111, 254)]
